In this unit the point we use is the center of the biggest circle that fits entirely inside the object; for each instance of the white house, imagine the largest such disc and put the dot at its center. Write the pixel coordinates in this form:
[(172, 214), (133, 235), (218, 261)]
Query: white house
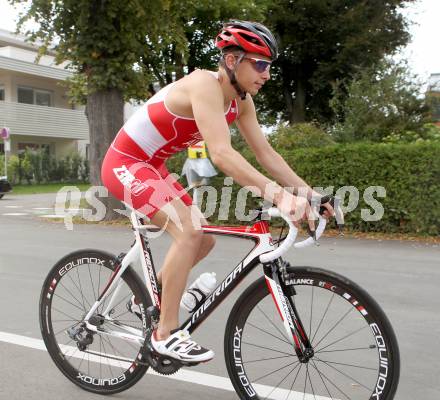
[(33, 101)]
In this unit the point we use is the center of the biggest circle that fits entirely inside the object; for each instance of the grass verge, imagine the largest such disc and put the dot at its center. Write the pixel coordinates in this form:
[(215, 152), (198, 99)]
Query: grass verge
[(46, 188)]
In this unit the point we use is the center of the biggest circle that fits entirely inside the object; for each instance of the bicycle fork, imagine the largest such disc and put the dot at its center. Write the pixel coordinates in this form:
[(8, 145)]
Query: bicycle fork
[(281, 295)]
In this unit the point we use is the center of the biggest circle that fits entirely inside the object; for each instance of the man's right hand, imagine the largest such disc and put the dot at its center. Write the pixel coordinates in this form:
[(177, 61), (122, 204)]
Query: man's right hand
[(296, 208)]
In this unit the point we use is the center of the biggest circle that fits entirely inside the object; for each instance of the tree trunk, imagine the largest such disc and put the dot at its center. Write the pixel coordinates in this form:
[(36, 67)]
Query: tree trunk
[(105, 113), (299, 102)]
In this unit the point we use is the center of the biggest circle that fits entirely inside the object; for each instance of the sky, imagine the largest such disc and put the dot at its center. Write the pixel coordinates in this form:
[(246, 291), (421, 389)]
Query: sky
[(423, 53)]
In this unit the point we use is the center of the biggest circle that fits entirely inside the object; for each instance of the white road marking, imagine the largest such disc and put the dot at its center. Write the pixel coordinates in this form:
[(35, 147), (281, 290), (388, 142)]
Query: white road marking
[(51, 216), (15, 214), (42, 208), (13, 206), (184, 375)]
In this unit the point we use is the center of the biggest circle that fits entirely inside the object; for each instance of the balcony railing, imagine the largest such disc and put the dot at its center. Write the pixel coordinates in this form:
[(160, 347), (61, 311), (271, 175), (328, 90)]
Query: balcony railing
[(28, 119)]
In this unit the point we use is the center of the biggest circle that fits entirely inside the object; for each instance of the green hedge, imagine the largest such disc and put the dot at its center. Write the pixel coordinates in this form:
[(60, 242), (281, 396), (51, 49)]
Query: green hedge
[(410, 174), (37, 166)]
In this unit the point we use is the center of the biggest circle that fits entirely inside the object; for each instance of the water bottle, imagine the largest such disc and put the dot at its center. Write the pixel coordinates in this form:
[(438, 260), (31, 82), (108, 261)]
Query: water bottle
[(198, 291)]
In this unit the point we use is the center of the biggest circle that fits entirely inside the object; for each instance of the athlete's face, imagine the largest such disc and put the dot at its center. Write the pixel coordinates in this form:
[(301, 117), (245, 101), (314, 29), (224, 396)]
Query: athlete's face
[(253, 72)]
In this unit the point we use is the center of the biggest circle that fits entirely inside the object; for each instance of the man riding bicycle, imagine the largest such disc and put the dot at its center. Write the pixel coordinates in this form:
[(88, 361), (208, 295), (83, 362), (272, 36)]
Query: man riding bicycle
[(200, 106)]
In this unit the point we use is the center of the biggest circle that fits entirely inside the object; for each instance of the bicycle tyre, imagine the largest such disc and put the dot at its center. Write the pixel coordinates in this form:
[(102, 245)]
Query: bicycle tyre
[(244, 371), (60, 288)]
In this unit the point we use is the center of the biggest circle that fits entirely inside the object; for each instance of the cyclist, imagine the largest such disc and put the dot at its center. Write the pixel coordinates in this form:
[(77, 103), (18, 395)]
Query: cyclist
[(200, 106)]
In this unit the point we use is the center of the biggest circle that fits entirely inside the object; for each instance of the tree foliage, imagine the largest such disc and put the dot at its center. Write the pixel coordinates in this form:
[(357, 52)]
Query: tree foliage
[(322, 42), (104, 43), (380, 102), (102, 40), (190, 42)]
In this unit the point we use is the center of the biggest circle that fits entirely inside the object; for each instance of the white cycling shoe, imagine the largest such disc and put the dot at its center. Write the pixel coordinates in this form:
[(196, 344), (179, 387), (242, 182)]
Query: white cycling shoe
[(180, 347)]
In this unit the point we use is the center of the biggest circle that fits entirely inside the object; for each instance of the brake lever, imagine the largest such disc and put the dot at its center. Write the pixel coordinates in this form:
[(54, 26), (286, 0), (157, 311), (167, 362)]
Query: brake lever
[(339, 215)]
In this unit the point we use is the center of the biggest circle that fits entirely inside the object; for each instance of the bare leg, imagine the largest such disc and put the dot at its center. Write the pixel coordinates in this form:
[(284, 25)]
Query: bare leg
[(185, 251)]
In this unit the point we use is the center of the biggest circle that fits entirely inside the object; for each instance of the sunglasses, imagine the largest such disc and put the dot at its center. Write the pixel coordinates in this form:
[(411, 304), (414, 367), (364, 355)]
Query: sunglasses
[(259, 64)]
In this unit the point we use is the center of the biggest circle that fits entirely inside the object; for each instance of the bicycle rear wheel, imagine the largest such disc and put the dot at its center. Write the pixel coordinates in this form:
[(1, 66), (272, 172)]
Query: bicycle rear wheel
[(356, 355), (96, 362)]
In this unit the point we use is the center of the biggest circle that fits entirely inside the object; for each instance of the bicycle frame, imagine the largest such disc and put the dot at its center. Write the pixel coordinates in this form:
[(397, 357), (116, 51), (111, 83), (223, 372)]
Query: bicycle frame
[(258, 232)]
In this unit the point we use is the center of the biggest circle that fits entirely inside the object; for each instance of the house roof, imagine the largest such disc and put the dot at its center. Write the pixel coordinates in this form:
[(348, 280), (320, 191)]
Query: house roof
[(434, 83), (8, 38), (19, 60)]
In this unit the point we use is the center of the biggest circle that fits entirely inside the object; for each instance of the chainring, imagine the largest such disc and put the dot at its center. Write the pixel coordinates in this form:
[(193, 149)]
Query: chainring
[(161, 364)]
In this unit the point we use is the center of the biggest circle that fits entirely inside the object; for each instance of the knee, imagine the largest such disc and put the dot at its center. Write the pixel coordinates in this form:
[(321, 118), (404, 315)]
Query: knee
[(208, 242), (191, 238)]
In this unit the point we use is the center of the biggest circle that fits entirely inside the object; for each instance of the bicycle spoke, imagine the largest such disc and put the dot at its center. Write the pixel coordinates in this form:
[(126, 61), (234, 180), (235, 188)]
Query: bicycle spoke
[(334, 326), (293, 383), (331, 382), (67, 301), (71, 294), (115, 352), (310, 381), (311, 310), (343, 338), (100, 357), (64, 320), (82, 360), (108, 364), (270, 334), (91, 280), (371, 347), (323, 317), (267, 348), (107, 298), (305, 385), (346, 375), (125, 311), (271, 322), (81, 290), (99, 282), (323, 382), (265, 359), (282, 380), (61, 312), (349, 365), (279, 369), (76, 286), (65, 329)]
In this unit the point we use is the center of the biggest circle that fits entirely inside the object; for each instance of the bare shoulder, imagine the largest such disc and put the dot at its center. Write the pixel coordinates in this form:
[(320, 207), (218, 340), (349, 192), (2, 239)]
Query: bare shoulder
[(203, 81)]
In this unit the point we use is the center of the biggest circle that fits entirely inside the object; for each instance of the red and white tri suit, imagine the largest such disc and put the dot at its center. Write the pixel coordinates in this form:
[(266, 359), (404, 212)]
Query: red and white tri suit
[(134, 169)]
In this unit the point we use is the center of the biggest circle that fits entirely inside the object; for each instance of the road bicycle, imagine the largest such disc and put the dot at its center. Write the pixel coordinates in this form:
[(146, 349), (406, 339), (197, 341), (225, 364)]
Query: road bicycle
[(295, 333)]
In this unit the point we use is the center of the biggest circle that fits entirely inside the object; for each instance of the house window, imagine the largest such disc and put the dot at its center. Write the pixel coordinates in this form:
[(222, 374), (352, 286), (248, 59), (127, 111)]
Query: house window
[(23, 146), (2, 93), (39, 97)]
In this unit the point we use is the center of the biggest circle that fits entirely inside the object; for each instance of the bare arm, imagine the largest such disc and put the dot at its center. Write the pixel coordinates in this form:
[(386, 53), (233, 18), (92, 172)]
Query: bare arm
[(266, 156), (207, 103)]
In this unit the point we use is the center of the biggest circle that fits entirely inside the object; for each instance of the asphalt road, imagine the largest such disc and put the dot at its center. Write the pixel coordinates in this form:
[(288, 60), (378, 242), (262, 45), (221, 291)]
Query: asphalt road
[(402, 276)]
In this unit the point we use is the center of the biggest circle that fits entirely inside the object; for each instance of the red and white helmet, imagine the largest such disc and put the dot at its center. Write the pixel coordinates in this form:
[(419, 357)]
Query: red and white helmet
[(252, 37)]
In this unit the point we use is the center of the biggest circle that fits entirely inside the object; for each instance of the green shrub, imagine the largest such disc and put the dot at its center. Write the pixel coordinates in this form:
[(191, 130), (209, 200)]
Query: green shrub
[(429, 133), (39, 167), (299, 136), (410, 174)]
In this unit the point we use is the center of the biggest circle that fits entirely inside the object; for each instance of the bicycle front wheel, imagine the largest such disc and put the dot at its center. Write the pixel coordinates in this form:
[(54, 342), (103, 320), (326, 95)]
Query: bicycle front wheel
[(102, 362), (356, 356)]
